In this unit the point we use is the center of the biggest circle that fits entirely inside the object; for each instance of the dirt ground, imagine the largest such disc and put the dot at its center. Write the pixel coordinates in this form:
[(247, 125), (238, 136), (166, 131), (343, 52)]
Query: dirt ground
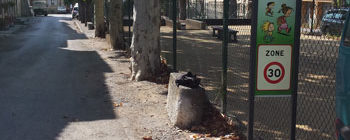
[(141, 105)]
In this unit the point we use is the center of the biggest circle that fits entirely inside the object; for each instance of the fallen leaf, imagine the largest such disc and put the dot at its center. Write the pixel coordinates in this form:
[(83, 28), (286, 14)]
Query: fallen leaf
[(147, 138), (117, 105), (194, 136)]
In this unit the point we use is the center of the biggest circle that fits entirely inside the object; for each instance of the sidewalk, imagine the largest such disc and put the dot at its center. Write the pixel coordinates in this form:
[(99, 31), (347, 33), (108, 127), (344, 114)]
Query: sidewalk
[(81, 27), (141, 106)]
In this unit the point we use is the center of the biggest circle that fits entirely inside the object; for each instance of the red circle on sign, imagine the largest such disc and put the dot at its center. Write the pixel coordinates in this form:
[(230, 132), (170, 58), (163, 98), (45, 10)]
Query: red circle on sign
[(279, 79)]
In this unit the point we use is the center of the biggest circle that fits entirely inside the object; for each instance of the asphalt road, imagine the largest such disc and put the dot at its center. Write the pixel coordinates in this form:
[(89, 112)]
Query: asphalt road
[(49, 78)]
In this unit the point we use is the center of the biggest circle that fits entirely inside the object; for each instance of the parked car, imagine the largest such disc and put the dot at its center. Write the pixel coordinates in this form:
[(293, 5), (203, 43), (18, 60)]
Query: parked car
[(75, 11), (333, 21), (343, 86), (61, 10), (39, 7)]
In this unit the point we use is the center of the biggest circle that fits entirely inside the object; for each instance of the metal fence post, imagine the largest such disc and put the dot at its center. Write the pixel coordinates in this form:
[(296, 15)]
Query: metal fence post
[(224, 58), (129, 23), (174, 34), (215, 9), (188, 9), (196, 10)]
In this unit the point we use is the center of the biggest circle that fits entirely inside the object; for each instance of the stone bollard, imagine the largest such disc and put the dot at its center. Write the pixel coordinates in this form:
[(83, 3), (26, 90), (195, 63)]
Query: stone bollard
[(185, 105)]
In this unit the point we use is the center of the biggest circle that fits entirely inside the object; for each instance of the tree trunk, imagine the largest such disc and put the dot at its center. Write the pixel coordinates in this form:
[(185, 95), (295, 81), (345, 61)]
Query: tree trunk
[(91, 11), (86, 10), (99, 18), (116, 25), (82, 11), (145, 47), (202, 4), (182, 5)]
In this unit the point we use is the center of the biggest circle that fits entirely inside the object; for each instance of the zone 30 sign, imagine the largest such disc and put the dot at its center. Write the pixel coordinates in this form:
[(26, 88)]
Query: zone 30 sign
[(275, 38), (274, 66)]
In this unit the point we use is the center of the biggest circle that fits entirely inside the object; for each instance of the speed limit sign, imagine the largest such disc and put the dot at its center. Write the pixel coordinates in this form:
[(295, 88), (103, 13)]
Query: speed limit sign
[(274, 67), (274, 72)]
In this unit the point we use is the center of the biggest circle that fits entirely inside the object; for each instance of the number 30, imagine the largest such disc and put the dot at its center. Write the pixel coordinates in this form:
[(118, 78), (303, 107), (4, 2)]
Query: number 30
[(274, 73)]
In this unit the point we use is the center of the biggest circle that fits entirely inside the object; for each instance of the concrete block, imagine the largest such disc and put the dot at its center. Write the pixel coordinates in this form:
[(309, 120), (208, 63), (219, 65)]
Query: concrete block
[(195, 24), (190, 24), (91, 26), (169, 23), (185, 106)]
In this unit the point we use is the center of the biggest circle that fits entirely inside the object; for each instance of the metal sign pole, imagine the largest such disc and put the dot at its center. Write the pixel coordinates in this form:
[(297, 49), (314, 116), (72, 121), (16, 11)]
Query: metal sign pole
[(252, 73), (296, 51), (129, 19), (174, 34)]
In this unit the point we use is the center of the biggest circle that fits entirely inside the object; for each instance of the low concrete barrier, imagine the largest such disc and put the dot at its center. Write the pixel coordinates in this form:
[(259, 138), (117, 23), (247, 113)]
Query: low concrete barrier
[(185, 105), (194, 24), (190, 24)]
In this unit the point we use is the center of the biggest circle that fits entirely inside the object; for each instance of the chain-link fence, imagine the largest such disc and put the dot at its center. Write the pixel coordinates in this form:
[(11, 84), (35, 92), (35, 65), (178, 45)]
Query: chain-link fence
[(198, 51), (318, 54), (316, 93)]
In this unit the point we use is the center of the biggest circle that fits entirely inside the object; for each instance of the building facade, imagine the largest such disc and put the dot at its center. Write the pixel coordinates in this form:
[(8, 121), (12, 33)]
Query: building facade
[(10, 10), (213, 9), (313, 11), (54, 4)]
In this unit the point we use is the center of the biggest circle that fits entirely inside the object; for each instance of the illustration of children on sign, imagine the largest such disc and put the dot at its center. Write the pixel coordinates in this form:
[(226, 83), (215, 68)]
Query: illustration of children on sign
[(269, 7), (268, 27), (282, 20)]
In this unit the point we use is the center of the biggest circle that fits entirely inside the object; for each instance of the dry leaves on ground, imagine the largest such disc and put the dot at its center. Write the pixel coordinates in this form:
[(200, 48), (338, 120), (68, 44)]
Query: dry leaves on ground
[(215, 124), (117, 105), (147, 138)]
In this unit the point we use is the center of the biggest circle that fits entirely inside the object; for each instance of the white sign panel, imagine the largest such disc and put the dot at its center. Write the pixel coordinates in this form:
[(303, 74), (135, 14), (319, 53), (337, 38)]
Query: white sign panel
[(274, 67)]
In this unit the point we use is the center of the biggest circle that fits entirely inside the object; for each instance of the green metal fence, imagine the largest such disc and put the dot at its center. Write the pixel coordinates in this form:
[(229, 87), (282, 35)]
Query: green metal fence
[(201, 53)]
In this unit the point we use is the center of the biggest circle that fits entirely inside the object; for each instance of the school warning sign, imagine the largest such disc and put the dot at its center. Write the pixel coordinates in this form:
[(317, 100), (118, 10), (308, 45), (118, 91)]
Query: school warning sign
[(275, 37)]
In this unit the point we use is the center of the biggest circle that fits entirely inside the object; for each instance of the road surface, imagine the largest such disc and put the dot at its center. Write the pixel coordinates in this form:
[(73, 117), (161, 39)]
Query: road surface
[(49, 78)]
